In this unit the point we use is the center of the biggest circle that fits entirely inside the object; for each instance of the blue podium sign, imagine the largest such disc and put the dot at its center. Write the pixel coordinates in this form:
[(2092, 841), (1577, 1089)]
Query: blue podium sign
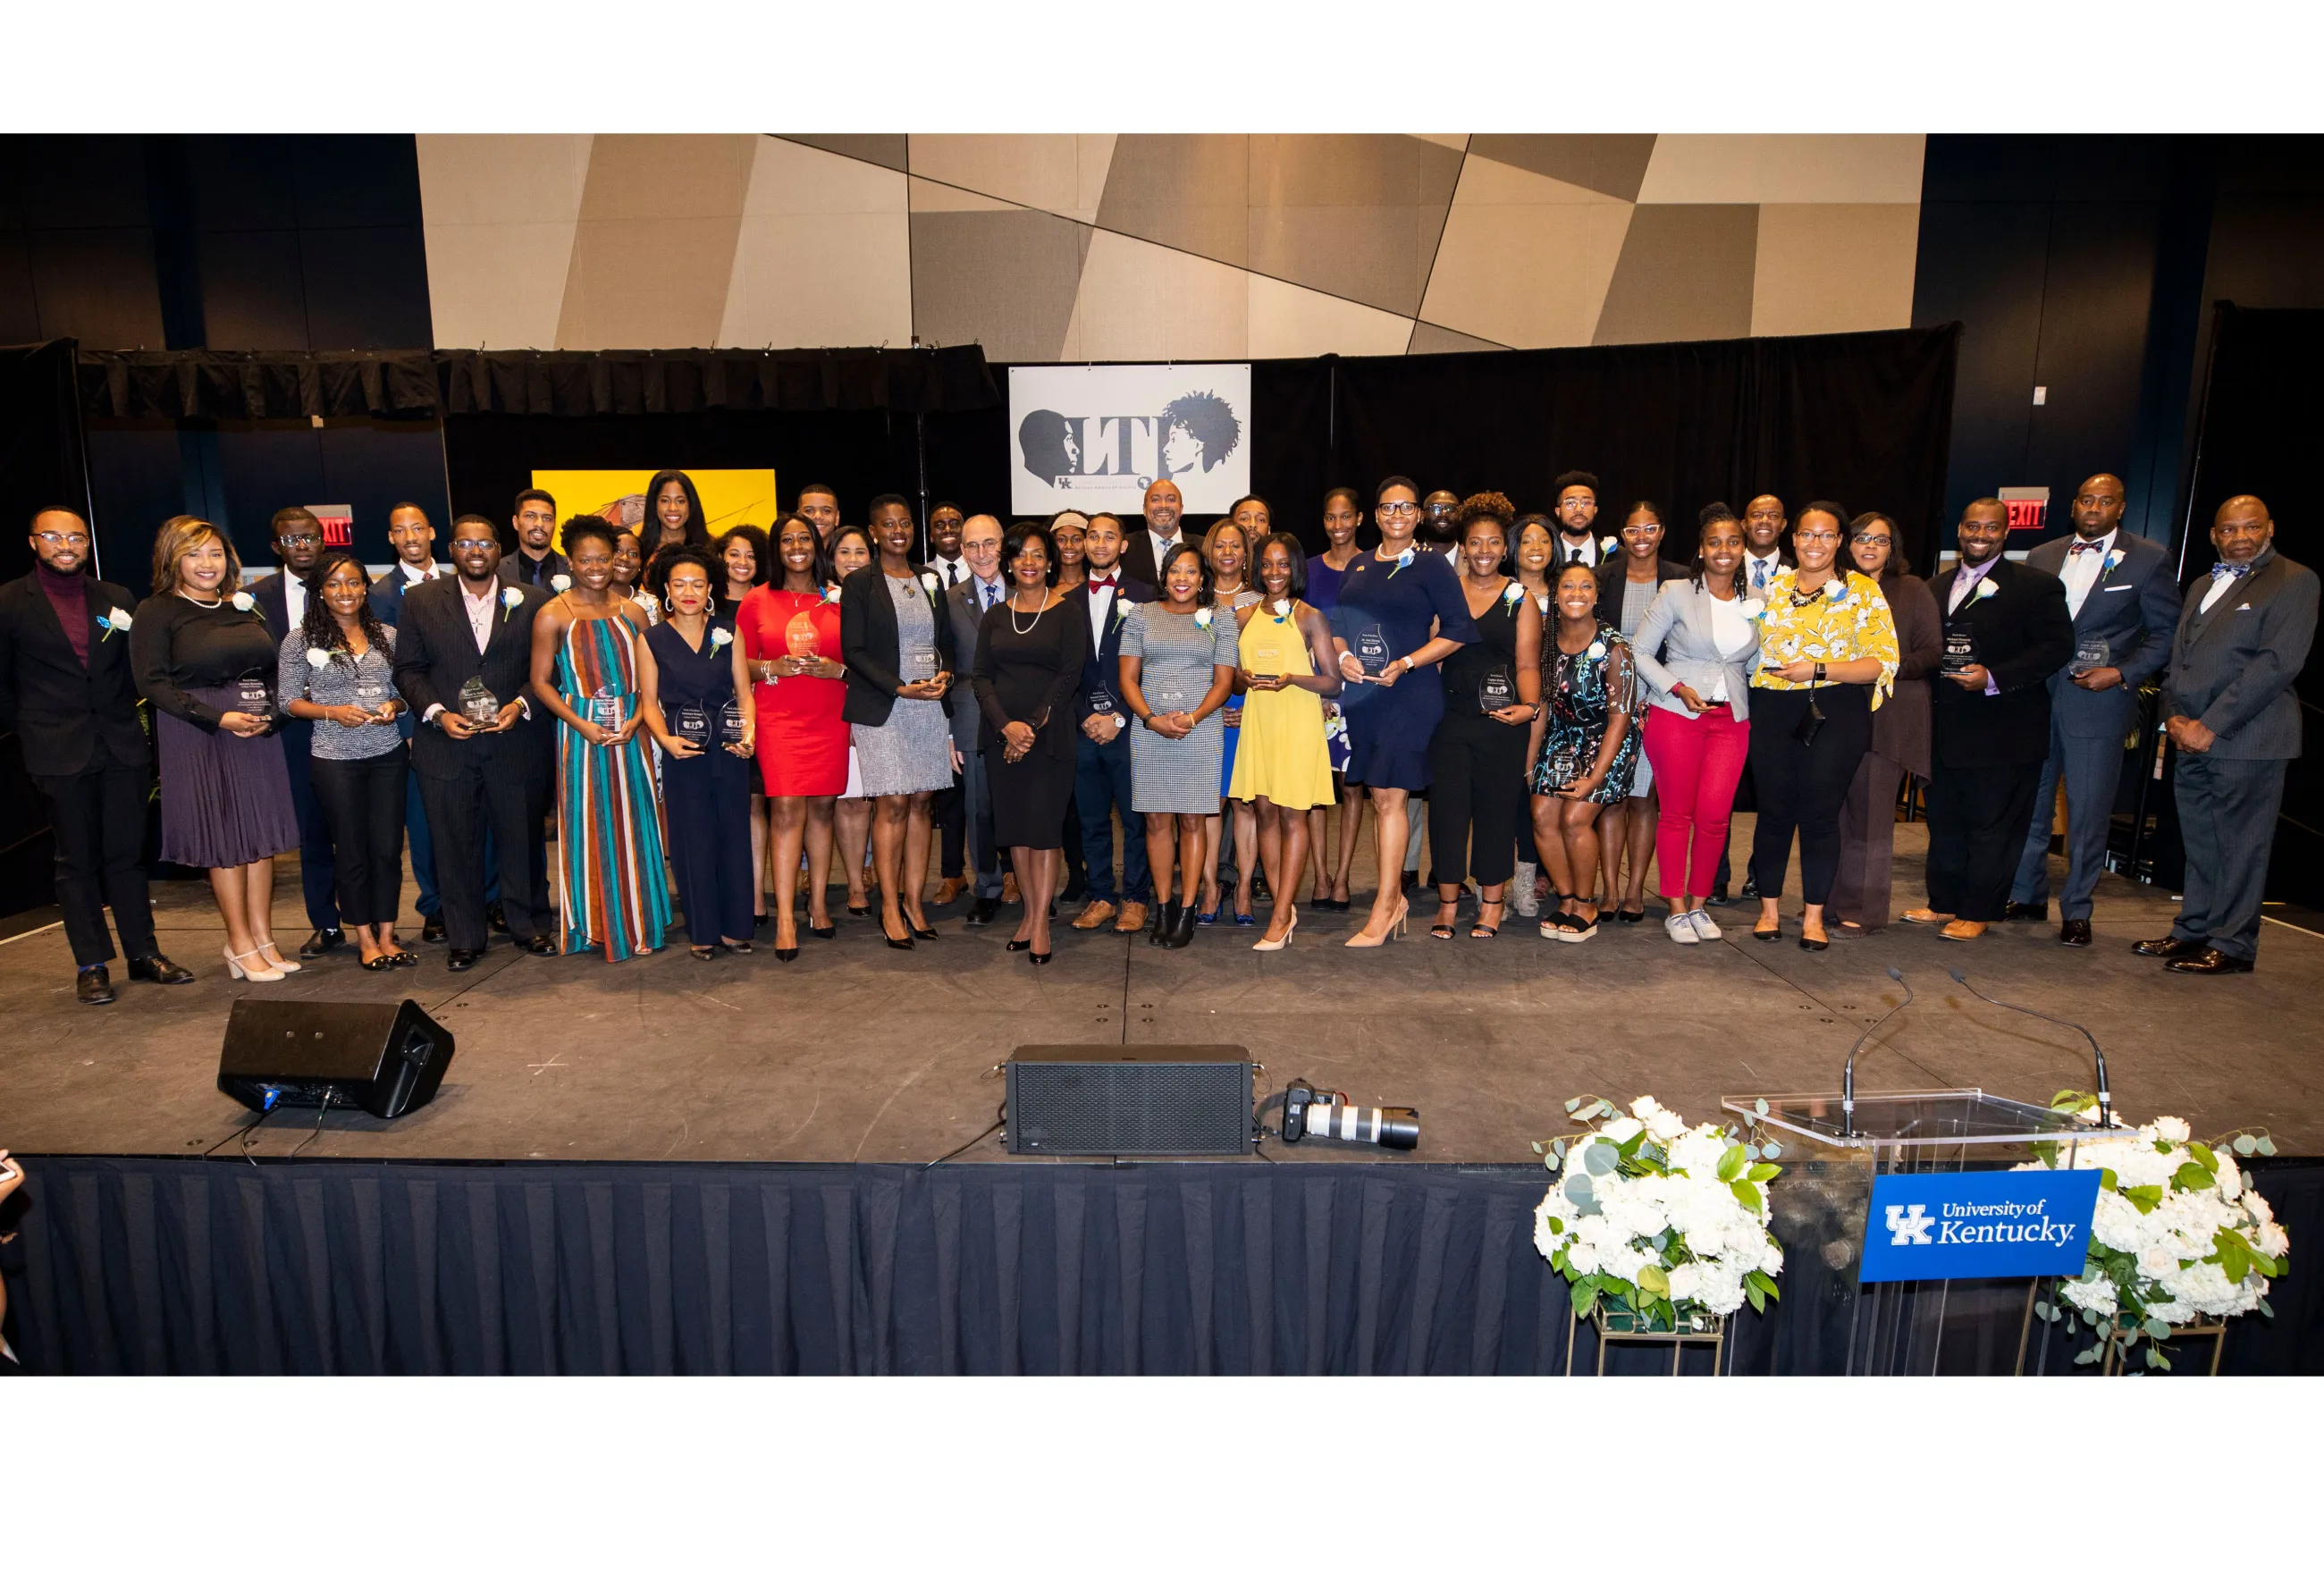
[(1978, 1224)]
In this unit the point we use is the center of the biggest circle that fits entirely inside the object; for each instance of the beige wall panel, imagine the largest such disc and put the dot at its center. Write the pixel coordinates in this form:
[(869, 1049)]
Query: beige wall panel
[(1357, 216), (499, 214), (1834, 268), (1784, 168), (1447, 140), (1610, 163), (1062, 174), (1138, 301), (1291, 322), (655, 176), (1524, 259), (938, 198), (1004, 279), (654, 249), (881, 149), (1190, 190), (1430, 339), (822, 256), (1685, 274)]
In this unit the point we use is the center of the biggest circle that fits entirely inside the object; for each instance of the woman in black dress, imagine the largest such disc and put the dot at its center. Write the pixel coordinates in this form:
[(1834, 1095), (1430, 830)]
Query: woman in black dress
[(1029, 654), (702, 715), (204, 659)]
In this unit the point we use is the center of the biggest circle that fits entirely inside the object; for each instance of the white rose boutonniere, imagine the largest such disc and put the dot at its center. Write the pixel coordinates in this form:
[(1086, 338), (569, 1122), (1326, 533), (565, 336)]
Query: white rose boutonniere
[(1987, 588), (1753, 607), (1282, 607), (929, 582), (1511, 595), (115, 621), (1596, 650), (1834, 589), (1606, 546), (831, 593), (317, 657), (1403, 563), (719, 638), (511, 599), (560, 583), (2113, 561), (1201, 619), (1122, 609), (244, 602)]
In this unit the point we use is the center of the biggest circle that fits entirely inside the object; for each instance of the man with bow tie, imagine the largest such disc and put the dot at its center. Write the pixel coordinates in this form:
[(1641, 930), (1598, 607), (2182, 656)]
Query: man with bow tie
[(2124, 597), (1102, 750), (2231, 709), (414, 542), (949, 565), (2006, 632)]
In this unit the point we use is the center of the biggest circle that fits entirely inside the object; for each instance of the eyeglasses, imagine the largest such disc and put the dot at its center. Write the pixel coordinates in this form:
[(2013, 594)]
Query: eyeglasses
[(1577, 502), (1869, 541), (62, 538), (1399, 509), (469, 544), (304, 538), (1642, 530), (1815, 536)]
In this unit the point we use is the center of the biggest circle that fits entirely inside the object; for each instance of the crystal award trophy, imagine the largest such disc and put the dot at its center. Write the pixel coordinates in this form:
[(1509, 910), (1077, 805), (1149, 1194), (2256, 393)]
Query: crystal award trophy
[(253, 693), (730, 724), (1496, 691), (1371, 649), (2091, 652), (477, 703), (802, 637), (919, 663), (606, 710), (1960, 651), (692, 725), (1273, 645), (1102, 703), (1565, 767)]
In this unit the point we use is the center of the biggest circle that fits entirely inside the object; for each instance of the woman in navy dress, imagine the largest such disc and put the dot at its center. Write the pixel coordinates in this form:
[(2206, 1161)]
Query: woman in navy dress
[(1343, 518), (1400, 615), (699, 690)]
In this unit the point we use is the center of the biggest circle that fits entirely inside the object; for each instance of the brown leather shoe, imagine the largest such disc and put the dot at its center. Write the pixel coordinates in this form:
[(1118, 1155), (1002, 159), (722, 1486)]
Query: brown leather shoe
[(2165, 946), (1009, 894), (947, 891), (1960, 929), (1926, 917), (2209, 960), (1095, 915), (1131, 918)]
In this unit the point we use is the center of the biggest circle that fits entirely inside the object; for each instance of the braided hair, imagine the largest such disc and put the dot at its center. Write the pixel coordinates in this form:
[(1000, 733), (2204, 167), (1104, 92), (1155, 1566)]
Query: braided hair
[(320, 627)]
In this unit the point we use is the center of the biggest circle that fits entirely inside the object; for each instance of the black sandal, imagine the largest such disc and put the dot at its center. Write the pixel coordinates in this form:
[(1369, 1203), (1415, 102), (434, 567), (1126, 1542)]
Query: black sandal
[(1444, 931), (1480, 929), (702, 952)]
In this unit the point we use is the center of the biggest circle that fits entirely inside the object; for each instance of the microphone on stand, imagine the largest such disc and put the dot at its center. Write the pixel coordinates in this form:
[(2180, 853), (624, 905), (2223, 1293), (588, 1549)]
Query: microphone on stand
[(1848, 1074), (2106, 1099)]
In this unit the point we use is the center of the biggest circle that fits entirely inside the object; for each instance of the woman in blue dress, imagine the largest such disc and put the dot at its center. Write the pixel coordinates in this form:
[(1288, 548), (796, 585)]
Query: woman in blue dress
[(1343, 517), (1400, 615), (700, 711)]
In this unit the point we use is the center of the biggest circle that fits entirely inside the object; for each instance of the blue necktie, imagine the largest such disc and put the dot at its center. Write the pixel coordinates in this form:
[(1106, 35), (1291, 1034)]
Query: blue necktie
[(2227, 572), (991, 594)]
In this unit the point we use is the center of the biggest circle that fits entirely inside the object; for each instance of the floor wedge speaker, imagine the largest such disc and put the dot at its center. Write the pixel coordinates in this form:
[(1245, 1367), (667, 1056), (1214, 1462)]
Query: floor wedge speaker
[(1189, 1099), (385, 1057)]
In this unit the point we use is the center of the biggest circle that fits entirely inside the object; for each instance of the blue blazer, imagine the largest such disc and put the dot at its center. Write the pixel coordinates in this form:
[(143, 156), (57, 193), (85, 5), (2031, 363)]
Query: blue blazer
[(1102, 669), (2134, 607)]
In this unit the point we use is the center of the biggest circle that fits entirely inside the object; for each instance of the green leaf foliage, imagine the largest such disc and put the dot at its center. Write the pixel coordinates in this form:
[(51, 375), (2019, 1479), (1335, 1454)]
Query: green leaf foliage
[(1749, 1193), (2144, 1197), (2191, 1177), (1731, 1163)]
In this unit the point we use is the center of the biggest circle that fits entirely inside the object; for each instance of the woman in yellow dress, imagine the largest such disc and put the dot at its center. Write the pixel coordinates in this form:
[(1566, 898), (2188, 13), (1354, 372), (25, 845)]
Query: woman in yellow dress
[(1282, 764)]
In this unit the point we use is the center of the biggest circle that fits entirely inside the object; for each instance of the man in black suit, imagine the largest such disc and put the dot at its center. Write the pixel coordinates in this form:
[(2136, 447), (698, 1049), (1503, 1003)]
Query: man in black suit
[(2006, 631), (949, 565), (69, 694), (2232, 710), (475, 777), (1102, 750), (282, 598), (536, 562), (964, 606), (414, 542), (2122, 595), (1143, 551)]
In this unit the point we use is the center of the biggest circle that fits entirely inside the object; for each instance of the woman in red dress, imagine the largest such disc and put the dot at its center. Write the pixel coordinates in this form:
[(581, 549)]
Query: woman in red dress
[(789, 633)]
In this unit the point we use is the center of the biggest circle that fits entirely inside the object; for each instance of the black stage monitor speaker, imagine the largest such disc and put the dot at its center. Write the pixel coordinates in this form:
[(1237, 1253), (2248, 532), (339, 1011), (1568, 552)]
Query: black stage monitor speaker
[(1182, 1099), (386, 1058)]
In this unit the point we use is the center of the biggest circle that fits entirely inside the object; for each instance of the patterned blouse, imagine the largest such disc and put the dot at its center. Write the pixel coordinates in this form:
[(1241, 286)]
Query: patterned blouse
[(1821, 628)]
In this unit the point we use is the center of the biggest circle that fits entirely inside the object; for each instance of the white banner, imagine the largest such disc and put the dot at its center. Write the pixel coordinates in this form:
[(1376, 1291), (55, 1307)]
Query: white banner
[(1095, 437)]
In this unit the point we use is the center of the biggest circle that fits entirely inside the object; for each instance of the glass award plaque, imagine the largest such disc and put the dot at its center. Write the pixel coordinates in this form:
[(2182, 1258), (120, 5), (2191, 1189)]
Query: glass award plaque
[(1960, 651), (255, 694), (1496, 691), (2091, 652), (730, 724), (919, 663), (1565, 767), (1273, 647), (1371, 649), (477, 701), (606, 710), (1102, 703), (691, 725), (802, 637)]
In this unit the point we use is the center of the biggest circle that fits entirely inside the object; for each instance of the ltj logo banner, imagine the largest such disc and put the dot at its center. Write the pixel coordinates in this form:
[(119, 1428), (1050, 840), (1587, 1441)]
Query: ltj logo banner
[(1096, 436)]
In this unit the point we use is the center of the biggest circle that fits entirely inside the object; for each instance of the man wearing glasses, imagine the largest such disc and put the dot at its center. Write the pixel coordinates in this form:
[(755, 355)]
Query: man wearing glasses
[(68, 693), (282, 598), (1576, 493)]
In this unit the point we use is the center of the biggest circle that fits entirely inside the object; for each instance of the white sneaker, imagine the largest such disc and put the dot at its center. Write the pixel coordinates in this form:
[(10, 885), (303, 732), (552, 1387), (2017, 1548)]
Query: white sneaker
[(1680, 927), (1704, 929), (1520, 892)]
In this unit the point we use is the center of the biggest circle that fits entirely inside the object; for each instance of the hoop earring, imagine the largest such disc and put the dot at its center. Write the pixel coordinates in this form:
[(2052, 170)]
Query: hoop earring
[(709, 606)]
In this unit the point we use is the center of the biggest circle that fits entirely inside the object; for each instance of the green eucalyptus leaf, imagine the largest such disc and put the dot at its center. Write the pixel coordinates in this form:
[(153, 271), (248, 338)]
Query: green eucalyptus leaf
[(2266, 1146), (1764, 1172), (1578, 1189), (1761, 1106), (2246, 1144), (1574, 1104), (1773, 1149), (1601, 1158)]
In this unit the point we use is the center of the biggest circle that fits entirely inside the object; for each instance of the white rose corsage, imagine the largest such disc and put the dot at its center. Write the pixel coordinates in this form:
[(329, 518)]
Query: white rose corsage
[(510, 598), (1834, 589), (1511, 595), (317, 657), (929, 582), (831, 593), (2113, 560), (244, 602), (719, 638), (1122, 609), (1201, 619), (1282, 607), (560, 583), (115, 621), (1753, 607), (1985, 587), (1606, 544), (1403, 562), (1596, 650)]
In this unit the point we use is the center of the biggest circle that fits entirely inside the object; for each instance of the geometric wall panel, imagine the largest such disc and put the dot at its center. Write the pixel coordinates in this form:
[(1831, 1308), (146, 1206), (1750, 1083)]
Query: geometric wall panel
[(500, 213), (822, 256), (1611, 163), (1526, 259), (1006, 278), (1685, 273), (1784, 168), (653, 248), (1834, 268), (1062, 173)]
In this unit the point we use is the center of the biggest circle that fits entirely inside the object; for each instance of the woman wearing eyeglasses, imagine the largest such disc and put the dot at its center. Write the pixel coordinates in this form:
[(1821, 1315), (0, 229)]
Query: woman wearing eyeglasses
[(1400, 615), (1827, 660), (1900, 731)]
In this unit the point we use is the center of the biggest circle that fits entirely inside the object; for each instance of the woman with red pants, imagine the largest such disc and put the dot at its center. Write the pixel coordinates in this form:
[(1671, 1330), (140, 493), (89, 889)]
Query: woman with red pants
[(788, 630), (1696, 651)]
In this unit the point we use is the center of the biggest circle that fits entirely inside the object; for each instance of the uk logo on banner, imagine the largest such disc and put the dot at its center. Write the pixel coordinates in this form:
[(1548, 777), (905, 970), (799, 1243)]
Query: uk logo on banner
[(1978, 1224)]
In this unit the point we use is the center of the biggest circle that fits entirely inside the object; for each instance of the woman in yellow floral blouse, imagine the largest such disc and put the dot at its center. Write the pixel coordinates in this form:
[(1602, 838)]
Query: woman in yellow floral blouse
[(1826, 660)]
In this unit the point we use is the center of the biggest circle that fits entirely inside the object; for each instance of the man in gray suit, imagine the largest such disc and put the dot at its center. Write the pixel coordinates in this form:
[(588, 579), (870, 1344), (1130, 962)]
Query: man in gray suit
[(964, 606), (2231, 709), (2124, 597)]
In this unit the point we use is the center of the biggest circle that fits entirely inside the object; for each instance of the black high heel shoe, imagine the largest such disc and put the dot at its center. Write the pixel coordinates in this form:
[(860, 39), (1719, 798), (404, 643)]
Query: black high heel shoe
[(785, 954), (920, 933), (824, 932), (1774, 933), (1163, 923), (1040, 958), (1021, 944)]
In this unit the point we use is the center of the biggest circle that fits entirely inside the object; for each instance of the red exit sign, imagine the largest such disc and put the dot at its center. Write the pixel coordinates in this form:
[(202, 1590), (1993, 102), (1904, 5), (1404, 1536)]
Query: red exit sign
[(2028, 506), (338, 521)]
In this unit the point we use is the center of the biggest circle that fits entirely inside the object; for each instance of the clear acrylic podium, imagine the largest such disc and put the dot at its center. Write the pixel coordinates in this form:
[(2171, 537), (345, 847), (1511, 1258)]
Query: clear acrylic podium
[(1893, 1329)]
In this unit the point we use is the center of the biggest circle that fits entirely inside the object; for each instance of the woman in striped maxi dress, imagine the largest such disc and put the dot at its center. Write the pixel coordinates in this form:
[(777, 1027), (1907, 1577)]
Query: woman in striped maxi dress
[(590, 670)]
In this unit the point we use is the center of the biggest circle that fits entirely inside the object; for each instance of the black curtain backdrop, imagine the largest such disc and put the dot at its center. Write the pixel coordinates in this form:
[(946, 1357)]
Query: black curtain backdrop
[(192, 1266)]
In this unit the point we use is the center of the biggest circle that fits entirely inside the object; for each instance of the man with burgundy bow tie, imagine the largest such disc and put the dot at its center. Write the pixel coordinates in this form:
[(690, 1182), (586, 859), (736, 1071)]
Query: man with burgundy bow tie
[(1102, 750), (2232, 710), (2123, 598)]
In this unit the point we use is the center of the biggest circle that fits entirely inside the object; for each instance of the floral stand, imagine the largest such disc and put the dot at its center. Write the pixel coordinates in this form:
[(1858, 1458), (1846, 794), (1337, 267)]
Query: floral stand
[(1616, 1325)]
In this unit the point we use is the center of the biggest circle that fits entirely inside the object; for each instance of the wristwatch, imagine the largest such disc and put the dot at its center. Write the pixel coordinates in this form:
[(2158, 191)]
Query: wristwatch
[(1119, 722), (1819, 674)]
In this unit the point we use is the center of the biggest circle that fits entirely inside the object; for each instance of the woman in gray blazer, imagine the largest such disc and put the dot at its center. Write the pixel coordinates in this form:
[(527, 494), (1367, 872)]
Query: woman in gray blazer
[(1696, 650)]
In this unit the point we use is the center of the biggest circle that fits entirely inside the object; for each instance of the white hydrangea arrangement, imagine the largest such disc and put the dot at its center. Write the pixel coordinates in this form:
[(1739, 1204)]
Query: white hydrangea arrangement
[(2179, 1232), (1664, 1222)]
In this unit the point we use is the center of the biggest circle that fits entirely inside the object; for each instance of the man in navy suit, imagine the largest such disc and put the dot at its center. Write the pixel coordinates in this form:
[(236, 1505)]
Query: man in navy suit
[(1102, 750), (414, 542), (964, 607), (282, 598), (2123, 598)]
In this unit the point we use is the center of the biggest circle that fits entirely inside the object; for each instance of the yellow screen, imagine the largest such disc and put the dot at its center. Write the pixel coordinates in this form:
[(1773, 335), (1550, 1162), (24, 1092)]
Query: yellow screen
[(729, 497)]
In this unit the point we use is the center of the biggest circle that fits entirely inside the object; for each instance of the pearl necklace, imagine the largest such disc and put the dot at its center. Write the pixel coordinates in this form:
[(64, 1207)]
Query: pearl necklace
[(197, 602), (1037, 612)]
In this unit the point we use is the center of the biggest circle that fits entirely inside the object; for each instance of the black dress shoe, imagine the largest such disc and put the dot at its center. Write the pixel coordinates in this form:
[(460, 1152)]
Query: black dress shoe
[(93, 987), (460, 961), (2165, 946), (542, 945), (158, 969), (982, 911), (495, 919), (432, 928), (2210, 959), (323, 941), (2020, 912), (2074, 931), (1718, 898)]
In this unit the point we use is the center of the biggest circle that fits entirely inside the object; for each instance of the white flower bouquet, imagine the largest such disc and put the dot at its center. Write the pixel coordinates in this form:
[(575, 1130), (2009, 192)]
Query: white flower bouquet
[(1661, 1223), (2179, 1232)]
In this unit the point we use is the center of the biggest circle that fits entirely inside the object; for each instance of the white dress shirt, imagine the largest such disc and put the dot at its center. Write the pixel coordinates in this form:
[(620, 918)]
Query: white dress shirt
[(2220, 588), (989, 591), (1101, 590), (2084, 561), (294, 600), (1161, 546), (1569, 551), (950, 571), (1729, 633), (1757, 571)]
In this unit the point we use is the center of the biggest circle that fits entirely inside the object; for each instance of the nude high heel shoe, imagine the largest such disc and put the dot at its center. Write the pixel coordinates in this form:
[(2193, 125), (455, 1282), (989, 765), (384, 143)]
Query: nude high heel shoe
[(261, 974), (1289, 929), (1395, 930), (280, 964)]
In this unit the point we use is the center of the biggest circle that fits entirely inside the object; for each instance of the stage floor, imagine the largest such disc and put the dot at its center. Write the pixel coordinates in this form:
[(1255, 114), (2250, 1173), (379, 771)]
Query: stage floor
[(858, 1053)]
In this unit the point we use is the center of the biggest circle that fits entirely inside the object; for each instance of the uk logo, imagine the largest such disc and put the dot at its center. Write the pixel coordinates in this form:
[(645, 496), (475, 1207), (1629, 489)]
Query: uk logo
[(1910, 1224)]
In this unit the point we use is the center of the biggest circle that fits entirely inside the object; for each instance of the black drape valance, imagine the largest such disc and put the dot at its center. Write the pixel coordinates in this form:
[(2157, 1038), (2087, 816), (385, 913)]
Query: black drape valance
[(402, 384)]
